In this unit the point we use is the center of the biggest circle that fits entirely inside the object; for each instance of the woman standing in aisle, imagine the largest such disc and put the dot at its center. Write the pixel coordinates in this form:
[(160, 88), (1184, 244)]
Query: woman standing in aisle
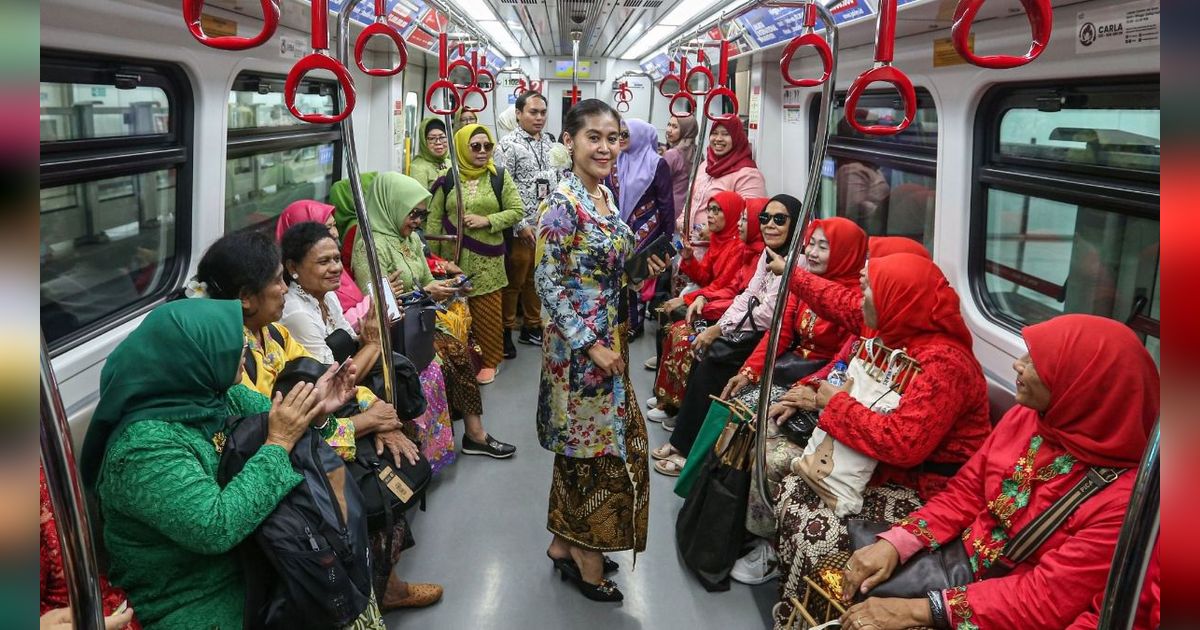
[(587, 414)]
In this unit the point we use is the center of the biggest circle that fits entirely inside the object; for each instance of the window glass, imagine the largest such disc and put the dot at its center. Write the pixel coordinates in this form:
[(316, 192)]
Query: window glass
[(105, 244), (76, 111), (883, 200), (258, 187), (885, 108), (1119, 138), (252, 109), (1045, 258)]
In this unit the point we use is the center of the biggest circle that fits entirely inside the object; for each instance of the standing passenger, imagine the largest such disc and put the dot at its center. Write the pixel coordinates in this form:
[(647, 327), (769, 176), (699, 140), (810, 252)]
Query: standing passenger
[(730, 167), (645, 200), (486, 217), (681, 135), (587, 414), (431, 160), (526, 154)]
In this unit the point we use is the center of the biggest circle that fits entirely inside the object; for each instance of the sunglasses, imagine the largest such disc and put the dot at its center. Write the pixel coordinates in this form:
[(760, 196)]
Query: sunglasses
[(624, 135), (417, 215), (482, 146), (779, 219)]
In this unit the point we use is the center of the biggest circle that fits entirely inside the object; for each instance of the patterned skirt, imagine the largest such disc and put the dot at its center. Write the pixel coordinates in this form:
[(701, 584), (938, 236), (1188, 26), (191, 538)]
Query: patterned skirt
[(670, 384), (603, 503), (809, 533), (462, 391), (760, 518), (435, 431)]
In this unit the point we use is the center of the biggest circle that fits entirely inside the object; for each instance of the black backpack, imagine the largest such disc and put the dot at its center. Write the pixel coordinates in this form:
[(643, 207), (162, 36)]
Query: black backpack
[(307, 565), (446, 183)]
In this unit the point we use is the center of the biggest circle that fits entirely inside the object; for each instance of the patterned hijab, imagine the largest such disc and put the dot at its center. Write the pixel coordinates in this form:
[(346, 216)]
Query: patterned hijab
[(462, 149), (201, 341)]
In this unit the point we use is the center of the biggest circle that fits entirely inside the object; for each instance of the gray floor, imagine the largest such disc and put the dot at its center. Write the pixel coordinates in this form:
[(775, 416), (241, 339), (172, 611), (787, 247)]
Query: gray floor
[(484, 538)]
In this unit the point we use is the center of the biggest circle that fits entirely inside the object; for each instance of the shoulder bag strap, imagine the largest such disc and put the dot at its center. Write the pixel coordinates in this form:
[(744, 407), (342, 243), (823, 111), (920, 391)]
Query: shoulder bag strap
[(1027, 541)]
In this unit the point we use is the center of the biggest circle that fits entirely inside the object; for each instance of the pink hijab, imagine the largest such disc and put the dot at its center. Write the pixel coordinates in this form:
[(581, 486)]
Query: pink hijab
[(350, 298)]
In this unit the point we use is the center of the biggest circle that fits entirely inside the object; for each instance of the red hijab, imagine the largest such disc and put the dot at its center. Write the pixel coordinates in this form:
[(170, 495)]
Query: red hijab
[(1103, 386), (754, 237), (725, 249), (847, 248), (737, 158), (880, 246), (915, 304)]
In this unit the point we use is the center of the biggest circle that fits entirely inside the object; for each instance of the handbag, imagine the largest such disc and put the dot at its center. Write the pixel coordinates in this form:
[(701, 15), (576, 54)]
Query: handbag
[(711, 525), (792, 366), (389, 488), (736, 348), (413, 335), (948, 565)]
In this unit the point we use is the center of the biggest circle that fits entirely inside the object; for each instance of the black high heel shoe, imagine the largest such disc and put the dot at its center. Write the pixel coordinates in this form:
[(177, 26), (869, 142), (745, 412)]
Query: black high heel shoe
[(610, 565), (605, 591)]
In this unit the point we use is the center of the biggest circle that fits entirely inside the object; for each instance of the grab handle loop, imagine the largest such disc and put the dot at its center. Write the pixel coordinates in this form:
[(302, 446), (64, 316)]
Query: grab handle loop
[(192, 10), (673, 78), (319, 59), (722, 89), (883, 72), (462, 62), (1041, 21), (703, 71), (809, 38), (442, 83), (685, 97), (482, 71), (380, 27)]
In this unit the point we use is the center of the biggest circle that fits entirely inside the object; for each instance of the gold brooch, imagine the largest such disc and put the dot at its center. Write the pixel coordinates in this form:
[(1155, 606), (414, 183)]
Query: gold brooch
[(218, 441)]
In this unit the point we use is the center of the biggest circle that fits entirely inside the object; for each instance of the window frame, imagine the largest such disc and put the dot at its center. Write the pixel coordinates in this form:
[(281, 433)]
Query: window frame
[(1123, 192), (247, 142), (82, 161)]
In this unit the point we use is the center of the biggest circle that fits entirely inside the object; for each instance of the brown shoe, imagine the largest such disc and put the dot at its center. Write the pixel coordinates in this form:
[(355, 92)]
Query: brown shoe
[(419, 596)]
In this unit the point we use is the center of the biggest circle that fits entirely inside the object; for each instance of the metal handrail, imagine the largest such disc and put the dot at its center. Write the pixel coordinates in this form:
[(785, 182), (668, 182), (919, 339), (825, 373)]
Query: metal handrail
[(1138, 535), (820, 148), (80, 568), (377, 285)]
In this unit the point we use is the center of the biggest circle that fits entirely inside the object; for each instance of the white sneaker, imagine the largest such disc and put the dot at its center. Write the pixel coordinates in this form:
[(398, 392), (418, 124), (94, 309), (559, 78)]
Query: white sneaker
[(759, 566), (652, 402), (658, 415)]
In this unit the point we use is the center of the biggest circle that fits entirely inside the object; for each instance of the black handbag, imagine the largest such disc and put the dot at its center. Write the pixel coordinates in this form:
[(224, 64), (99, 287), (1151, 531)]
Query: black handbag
[(737, 348), (413, 335), (389, 488), (410, 399), (711, 525), (948, 565), (791, 367)]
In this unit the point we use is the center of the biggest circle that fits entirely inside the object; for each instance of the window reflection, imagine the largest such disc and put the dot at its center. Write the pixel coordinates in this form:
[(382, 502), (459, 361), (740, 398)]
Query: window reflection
[(1120, 138), (251, 109), (76, 111), (882, 200), (258, 187)]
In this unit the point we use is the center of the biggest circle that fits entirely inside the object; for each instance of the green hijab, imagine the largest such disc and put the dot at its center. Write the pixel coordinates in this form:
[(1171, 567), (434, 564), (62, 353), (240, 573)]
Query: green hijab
[(423, 150), (343, 201), (462, 149), (175, 367), (389, 203)]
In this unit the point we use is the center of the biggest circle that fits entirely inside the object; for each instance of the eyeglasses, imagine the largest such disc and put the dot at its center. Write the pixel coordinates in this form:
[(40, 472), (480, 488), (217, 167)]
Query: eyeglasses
[(482, 146), (417, 215), (624, 135), (779, 219), (435, 139)]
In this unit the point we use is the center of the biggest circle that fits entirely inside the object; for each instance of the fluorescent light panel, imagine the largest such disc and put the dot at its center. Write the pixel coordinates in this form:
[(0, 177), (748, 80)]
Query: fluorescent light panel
[(482, 15), (685, 11), (652, 38)]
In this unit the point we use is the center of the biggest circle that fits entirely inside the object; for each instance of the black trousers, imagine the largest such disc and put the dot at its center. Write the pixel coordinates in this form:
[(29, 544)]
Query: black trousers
[(708, 378)]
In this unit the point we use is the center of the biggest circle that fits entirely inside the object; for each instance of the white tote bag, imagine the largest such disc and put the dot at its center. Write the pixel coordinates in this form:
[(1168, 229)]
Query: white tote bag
[(836, 472)]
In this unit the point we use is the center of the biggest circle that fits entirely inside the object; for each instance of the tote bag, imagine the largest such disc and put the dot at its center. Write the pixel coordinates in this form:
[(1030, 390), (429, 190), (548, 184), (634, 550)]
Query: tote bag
[(836, 472)]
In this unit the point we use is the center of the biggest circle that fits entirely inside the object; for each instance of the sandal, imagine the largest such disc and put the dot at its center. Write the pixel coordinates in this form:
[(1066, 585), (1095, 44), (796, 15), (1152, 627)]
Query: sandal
[(663, 452), (671, 466)]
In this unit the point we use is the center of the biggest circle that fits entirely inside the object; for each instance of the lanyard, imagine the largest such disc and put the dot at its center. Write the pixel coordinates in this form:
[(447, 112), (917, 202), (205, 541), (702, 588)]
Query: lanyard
[(537, 154)]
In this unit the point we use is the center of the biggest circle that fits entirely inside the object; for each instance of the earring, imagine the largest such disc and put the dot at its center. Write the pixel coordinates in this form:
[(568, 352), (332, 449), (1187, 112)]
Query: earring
[(295, 276)]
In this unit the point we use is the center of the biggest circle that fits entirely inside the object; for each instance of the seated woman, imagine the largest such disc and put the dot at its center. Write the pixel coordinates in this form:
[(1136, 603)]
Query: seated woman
[(149, 456), (396, 207), (352, 302), (742, 326), (720, 275), (940, 421), (55, 609), (246, 266), (486, 216), (312, 265), (1068, 419)]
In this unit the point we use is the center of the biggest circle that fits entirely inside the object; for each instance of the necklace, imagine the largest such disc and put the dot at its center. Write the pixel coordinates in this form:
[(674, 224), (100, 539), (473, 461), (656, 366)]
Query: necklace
[(595, 195)]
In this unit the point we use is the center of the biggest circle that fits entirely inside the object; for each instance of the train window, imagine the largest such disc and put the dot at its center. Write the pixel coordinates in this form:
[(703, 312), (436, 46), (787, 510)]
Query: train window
[(272, 158), (1049, 235), (115, 190), (884, 184)]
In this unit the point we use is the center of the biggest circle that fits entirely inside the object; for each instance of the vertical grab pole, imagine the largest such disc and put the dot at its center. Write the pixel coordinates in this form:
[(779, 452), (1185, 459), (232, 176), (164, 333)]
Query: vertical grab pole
[(458, 186), (70, 507), (378, 285), (819, 150), (1134, 544)]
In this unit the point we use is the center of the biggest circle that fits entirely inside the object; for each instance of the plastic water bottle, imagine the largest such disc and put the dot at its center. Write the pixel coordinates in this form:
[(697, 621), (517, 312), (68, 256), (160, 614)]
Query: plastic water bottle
[(837, 376)]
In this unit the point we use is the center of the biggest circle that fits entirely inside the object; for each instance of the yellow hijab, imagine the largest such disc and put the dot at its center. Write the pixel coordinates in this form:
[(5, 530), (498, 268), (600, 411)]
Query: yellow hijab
[(462, 151)]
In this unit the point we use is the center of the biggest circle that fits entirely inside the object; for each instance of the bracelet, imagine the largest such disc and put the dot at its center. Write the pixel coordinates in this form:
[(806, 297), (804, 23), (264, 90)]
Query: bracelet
[(937, 610), (325, 425)]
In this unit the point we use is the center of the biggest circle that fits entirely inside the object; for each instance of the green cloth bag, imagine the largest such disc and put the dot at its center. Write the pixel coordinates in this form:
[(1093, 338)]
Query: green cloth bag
[(714, 423)]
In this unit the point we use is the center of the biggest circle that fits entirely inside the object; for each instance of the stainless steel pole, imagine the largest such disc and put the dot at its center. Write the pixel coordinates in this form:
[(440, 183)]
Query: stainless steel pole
[(1134, 545), (378, 284), (819, 150), (70, 506)]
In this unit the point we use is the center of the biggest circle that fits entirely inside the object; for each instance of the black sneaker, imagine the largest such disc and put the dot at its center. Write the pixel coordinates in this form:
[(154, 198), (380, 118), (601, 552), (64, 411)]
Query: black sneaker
[(530, 337), (492, 447), (510, 350)]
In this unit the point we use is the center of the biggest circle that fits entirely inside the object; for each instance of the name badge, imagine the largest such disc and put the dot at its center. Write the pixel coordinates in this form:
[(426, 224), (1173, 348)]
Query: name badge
[(395, 484), (543, 188)]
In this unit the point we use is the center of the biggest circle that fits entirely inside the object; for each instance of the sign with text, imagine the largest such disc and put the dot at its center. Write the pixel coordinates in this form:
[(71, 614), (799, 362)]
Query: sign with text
[(767, 27), (1119, 27)]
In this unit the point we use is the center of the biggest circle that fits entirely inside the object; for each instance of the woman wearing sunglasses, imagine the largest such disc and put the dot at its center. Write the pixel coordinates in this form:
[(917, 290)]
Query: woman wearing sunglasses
[(485, 218)]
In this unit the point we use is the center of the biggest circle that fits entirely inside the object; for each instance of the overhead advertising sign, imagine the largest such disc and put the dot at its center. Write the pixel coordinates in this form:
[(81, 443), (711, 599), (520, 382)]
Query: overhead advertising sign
[(767, 27), (657, 66), (1119, 27)]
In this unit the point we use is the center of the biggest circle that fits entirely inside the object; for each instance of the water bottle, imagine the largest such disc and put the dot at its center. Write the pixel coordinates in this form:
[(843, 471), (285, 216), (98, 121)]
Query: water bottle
[(837, 376)]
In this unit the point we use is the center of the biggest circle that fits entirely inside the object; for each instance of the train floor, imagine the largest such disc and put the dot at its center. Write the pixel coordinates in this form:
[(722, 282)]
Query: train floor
[(484, 537)]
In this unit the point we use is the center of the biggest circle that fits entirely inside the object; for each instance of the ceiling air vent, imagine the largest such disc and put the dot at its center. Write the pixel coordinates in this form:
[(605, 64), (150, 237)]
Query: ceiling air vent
[(519, 1), (642, 4)]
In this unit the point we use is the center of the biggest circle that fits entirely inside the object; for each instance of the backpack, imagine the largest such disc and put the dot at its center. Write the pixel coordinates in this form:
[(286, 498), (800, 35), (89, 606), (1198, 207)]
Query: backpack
[(446, 183), (307, 565)]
